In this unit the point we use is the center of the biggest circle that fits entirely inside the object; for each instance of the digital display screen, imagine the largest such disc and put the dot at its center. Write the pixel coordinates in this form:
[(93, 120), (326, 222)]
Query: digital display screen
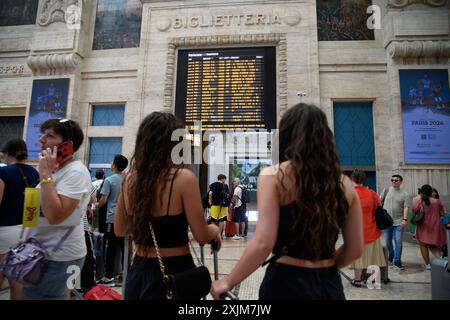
[(227, 89)]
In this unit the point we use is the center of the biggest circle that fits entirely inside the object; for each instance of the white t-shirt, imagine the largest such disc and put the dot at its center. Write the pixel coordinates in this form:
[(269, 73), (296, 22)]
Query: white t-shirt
[(238, 194), (72, 181)]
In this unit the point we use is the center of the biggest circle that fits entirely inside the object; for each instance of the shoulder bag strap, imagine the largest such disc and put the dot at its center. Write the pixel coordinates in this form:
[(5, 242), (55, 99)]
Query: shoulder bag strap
[(24, 178), (64, 238), (169, 293)]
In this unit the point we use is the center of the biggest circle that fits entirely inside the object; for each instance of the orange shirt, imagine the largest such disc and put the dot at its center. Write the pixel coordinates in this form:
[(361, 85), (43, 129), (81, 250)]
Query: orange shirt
[(368, 204)]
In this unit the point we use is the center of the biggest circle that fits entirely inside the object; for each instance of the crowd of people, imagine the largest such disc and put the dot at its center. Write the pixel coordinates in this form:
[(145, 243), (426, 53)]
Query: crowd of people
[(304, 203)]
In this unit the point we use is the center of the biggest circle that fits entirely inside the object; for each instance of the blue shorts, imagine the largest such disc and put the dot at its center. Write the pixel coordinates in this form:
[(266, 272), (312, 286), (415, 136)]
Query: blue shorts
[(53, 284), (239, 213)]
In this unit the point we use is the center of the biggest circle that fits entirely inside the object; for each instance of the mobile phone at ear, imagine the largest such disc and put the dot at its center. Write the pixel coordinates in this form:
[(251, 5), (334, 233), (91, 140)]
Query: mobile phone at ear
[(64, 150)]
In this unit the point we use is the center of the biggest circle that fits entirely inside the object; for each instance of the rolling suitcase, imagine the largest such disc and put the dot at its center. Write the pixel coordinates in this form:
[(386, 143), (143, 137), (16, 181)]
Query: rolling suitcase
[(98, 240), (440, 272), (230, 227)]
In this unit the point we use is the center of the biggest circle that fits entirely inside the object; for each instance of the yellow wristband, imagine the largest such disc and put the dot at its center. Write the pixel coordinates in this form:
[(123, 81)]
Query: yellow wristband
[(48, 180)]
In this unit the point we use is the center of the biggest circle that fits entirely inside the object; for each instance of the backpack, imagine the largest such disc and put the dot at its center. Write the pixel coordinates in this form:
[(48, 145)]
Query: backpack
[(205, 201), (226, 197), (245, 197)]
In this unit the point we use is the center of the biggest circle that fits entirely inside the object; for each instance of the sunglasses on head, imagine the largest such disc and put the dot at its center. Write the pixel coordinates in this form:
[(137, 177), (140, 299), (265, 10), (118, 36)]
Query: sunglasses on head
[(395, 180)]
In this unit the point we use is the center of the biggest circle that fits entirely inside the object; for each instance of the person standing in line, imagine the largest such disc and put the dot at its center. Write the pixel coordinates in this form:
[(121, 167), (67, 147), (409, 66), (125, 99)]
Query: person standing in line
[(396, 202), (303, 203), (373, 250), (65, 187), (431, 232), (14, 178), (160, 192), (239, 209), (219, 200), (110, 193)]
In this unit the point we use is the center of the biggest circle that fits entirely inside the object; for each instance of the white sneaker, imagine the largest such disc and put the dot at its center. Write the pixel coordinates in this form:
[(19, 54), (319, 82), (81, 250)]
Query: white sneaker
[(236, 237), (428, 266)]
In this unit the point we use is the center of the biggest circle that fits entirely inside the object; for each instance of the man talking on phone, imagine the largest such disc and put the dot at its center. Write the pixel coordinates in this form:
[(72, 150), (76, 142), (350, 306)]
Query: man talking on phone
[(110, 194)]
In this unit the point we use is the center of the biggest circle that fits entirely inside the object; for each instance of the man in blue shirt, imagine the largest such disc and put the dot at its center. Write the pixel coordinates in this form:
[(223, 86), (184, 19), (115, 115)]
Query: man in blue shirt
[(110, 194)]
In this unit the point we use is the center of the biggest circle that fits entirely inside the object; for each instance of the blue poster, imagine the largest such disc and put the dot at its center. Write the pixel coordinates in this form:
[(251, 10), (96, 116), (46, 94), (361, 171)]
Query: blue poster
[(48, 101), (425, 100)]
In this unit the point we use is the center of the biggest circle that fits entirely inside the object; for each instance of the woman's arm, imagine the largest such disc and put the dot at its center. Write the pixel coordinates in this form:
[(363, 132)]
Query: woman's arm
[(264, 238), (416, 203), (192, 204), (353, 230), (121, 219)]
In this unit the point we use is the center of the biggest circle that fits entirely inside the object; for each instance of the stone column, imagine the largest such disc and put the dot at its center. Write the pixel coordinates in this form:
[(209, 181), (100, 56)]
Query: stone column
[(59, 45), (416, 36)]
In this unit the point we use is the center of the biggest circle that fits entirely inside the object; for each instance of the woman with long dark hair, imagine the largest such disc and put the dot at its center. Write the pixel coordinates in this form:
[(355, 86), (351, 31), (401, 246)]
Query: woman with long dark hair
[(158, 191), (303, 202), (431, 233)]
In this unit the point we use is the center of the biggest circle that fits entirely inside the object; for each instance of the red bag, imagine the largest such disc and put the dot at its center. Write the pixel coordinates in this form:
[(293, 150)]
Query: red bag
[(102, 292)]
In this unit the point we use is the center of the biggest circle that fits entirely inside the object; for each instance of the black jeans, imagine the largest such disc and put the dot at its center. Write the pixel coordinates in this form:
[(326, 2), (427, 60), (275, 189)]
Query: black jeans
[(285, 282), (144, 279), (113, 245), (88, 270)]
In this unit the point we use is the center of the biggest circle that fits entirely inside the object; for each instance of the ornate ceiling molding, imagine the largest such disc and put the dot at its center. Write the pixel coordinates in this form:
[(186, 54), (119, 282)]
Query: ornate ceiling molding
[(55, 11), (420, 51), (53, 64), (404, 3), (278, 39)]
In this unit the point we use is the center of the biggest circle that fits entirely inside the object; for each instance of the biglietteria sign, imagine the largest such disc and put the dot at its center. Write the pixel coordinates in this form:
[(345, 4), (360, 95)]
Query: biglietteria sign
[(165, 23)]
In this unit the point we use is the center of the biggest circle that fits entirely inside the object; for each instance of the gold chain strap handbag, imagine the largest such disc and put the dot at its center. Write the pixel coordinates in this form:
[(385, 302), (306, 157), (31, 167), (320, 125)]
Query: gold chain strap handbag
[(192, 284)]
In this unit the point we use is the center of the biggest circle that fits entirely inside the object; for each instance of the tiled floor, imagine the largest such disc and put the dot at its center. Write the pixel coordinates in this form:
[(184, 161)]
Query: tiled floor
[(412, 284)]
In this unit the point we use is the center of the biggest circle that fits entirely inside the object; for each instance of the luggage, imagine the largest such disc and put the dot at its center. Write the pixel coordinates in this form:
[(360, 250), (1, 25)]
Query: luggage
[(230, 227), (98, 240), (440, 275), (102, 292), (233, 295)]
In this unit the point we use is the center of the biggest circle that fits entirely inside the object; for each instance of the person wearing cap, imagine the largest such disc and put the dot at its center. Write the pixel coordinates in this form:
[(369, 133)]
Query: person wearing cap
[(14, 178)]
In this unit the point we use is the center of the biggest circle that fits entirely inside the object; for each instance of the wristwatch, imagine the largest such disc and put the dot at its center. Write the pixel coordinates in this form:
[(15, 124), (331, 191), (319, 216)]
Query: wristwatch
[(47, 180)]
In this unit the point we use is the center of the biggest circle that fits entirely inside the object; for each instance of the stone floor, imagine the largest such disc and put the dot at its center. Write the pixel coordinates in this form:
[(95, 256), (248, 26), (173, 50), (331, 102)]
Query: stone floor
[(414, 283)]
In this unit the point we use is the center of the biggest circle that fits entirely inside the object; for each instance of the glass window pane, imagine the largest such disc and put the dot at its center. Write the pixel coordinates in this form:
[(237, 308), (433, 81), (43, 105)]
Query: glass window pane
[(102, 152), (18, 12), (343, 20), (108, 115), (117, 24)]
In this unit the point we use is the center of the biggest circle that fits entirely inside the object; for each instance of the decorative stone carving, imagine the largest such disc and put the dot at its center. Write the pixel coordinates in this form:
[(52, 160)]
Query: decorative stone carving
[(404, 3), (52, 64), (55, 11), (420, 51), (278, 39)]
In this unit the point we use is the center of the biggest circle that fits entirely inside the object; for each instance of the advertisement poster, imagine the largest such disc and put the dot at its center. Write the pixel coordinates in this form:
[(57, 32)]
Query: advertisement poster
[(425, 101), (48, 101), (248, 171)]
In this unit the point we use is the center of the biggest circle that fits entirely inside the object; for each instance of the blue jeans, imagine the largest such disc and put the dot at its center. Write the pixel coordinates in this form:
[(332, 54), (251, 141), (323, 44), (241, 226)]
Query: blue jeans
[(53, 284), (394, 233)]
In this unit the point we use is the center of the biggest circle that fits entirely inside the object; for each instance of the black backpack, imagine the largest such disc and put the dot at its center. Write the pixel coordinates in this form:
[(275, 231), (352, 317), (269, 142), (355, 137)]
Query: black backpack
[(205, 201), (245, 195), (226, 197)]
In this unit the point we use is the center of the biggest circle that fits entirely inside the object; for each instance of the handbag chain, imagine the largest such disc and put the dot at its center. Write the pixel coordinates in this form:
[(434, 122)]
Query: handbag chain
[(169, 293)]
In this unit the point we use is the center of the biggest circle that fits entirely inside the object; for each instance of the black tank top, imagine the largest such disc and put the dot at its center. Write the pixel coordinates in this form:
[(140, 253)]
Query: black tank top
[(170, 230), (301, 248)]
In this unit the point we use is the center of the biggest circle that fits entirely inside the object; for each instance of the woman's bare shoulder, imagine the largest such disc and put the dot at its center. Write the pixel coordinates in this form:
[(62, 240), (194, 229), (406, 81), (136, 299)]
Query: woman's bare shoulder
[(186, 175)]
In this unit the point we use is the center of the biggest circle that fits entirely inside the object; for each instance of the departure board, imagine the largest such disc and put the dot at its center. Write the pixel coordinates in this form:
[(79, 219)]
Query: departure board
[(227, 89)]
